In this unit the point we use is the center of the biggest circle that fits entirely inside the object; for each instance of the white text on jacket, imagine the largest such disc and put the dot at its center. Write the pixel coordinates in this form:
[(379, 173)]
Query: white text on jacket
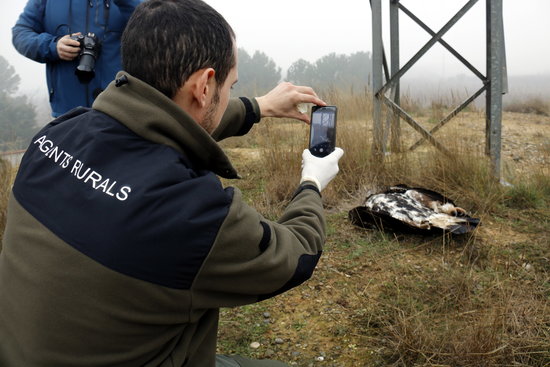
[(80, 171)]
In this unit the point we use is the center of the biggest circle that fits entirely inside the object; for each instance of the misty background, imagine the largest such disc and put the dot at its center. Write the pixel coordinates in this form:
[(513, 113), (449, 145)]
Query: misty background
[(291, 38)]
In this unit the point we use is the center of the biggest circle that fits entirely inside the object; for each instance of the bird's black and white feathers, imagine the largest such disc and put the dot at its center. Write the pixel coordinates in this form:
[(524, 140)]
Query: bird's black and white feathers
[(403, 208)]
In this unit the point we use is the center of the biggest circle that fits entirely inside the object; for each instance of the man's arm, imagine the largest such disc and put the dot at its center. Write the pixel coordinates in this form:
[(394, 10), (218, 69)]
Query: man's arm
[(29, 37), (253, 258), (282, 101)]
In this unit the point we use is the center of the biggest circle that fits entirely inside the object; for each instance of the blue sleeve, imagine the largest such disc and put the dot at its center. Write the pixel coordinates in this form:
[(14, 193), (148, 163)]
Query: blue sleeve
[(29, 37), (126, 8)]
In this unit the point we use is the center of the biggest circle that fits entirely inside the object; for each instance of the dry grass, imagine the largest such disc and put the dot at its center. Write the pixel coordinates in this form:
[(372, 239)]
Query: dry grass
[(6, 178), (535, 105), (383, 299)]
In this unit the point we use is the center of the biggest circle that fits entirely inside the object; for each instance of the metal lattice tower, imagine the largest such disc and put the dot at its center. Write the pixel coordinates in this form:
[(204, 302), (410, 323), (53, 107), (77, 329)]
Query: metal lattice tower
[(494, 83)]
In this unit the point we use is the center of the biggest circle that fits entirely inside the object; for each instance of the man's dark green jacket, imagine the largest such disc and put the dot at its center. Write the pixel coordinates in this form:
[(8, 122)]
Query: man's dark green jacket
[(121, 243)]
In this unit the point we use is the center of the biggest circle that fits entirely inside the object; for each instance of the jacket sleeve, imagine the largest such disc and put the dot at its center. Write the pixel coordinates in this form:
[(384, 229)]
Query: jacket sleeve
[(239, 117), (126, 8), (253, 258), (29, 37)]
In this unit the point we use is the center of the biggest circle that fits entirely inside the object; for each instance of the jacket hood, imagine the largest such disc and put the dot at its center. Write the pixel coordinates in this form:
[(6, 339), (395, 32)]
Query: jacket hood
[(155, 117)]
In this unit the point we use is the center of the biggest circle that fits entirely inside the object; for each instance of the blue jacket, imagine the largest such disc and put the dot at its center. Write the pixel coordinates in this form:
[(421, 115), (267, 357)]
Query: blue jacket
[(43, 22)]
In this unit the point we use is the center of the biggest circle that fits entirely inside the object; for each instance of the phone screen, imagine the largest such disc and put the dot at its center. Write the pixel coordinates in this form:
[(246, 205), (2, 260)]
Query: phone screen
[(322, 136)]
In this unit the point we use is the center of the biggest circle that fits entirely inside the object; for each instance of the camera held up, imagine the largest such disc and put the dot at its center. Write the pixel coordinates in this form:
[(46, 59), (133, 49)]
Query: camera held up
[(89, 52)]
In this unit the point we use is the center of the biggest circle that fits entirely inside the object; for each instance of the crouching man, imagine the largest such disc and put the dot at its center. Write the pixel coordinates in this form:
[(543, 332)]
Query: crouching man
[(121, 244)]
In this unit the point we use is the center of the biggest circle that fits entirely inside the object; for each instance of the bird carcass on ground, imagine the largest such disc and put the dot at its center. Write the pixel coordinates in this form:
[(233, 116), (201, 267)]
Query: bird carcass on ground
[(405, 209)]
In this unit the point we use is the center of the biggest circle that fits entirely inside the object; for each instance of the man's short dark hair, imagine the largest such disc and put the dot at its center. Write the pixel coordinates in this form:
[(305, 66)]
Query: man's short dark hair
[(166, 41)]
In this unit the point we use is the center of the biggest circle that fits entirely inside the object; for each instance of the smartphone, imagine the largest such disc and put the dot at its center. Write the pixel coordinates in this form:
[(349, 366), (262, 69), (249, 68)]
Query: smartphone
[(322, 133)]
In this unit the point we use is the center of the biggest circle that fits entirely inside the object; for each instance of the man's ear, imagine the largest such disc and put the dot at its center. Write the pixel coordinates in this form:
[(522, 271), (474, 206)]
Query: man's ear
[(194, 94), (202, 85)]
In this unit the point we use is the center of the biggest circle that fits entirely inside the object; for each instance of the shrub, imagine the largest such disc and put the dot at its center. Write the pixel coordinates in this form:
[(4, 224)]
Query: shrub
[(534, 105)]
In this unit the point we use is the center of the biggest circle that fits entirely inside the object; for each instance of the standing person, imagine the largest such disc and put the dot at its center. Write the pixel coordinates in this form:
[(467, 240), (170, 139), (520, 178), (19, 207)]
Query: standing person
[(43, 33), (121, 244)]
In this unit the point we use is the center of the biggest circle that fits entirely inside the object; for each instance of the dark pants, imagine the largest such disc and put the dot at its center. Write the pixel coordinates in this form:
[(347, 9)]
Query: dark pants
[(238, 361)]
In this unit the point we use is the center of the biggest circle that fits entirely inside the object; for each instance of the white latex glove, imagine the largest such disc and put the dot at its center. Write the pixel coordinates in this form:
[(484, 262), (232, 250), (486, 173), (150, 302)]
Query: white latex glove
[(320, 170)]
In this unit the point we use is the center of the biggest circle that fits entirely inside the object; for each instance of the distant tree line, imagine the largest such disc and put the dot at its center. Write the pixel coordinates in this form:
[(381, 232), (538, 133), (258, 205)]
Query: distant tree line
[(17, 114), (333, 71), (259, 73)]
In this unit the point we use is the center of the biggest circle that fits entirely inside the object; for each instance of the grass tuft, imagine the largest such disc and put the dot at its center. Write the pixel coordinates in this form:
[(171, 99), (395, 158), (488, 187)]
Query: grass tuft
[(6, 178), (535, 105)]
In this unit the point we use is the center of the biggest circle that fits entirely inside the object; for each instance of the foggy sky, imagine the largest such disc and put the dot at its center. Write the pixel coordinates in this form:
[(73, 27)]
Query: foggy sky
[(287, 30)]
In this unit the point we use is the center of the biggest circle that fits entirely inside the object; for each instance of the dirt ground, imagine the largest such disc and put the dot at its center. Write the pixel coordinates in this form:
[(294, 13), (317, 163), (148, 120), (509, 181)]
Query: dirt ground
[(322, 322), (525, 140)]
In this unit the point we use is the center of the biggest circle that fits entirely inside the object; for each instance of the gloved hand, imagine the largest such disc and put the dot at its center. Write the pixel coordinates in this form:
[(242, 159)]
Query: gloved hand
[(320, 170)]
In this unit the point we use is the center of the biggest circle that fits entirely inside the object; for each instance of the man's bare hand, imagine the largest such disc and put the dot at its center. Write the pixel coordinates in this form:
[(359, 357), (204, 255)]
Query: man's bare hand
[(67, 48), (283, 101)]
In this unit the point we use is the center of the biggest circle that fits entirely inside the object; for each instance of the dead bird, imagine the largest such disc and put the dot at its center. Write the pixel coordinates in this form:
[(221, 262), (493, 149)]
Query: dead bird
[(402, 208)]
